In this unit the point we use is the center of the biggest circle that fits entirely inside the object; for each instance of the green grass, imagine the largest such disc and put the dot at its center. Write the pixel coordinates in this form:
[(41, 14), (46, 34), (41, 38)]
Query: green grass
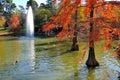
[(3, 29), (54, 47)]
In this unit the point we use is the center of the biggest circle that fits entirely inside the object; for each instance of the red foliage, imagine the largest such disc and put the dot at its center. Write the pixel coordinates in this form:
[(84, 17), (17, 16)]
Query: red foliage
[(14, 21), (107, 44), (87, 11), (103, 17), (64, 18), (117, 52), (109, 12)]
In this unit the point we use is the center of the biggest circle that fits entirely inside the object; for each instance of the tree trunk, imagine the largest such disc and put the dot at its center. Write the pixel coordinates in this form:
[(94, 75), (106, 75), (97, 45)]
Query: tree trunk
[(91, 62), (75, 46)]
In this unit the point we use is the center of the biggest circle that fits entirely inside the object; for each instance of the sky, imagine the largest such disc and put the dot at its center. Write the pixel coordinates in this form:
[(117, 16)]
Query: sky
[(24, 2)]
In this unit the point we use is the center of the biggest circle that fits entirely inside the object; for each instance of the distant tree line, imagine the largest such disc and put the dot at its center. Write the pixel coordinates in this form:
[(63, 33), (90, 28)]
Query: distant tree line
[(42, 13)]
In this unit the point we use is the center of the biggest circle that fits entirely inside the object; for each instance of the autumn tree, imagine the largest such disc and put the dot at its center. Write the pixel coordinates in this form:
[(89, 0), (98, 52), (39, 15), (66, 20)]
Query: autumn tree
[(116, 24), (65, 20), (14, 24), (99, 15), (7, 7), (91, 62), (2, 21)]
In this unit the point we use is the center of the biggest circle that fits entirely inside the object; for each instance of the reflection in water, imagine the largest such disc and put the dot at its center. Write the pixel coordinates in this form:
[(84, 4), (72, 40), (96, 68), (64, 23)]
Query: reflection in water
[(9, 53), (27, 63), (16, 58), (113, 66)]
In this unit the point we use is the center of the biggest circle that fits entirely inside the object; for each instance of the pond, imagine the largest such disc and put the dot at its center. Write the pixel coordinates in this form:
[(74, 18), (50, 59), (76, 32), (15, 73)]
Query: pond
[(41, 59)]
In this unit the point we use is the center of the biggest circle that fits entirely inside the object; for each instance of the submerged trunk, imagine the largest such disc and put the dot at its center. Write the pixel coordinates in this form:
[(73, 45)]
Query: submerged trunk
[(91, 62), (75, 46)]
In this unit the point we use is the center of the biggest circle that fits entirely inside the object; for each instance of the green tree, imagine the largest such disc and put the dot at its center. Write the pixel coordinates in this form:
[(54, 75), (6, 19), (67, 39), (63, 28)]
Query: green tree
[(7, 8), (21, 14), (51, 6), (8, 5), (42, 5), (42, 16), (1, 8), (33, 4)]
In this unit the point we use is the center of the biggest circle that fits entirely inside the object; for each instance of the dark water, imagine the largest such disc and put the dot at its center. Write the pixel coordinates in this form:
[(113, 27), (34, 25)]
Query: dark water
[(19, 60)]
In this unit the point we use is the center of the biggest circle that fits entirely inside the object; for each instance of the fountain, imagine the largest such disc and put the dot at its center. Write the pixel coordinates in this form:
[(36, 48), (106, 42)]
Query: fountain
[(29, 23)]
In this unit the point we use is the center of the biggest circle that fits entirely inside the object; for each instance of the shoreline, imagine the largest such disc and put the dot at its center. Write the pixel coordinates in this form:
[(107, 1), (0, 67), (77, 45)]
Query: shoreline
[(5, 33)]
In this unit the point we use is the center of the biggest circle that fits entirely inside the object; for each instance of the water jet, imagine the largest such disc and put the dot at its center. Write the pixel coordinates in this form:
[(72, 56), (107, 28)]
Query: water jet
[(29, 23)]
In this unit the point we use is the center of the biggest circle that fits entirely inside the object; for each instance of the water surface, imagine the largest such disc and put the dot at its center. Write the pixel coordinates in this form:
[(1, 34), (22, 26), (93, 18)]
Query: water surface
[(30, 59)]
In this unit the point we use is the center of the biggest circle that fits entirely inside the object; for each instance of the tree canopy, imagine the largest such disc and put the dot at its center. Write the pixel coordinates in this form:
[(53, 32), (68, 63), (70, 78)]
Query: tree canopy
[(103, 13), (33, 4), (14, 21), (42, 16), (7, 7)]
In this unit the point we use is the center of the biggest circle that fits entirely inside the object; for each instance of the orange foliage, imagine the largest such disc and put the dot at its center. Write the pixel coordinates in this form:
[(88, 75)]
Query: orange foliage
[(117, 52), (102, 18), (87, 11), (109, 12), (107, 44), (63, 18), (14, 21), (107, 32)]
